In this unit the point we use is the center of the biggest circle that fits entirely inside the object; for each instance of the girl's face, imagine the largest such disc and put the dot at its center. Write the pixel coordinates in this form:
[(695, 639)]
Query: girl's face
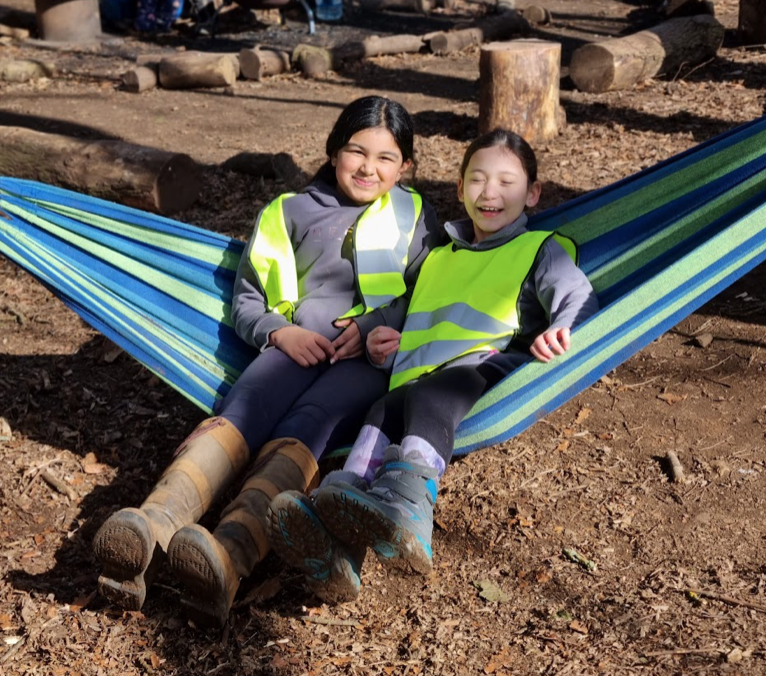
[(369, 165), (495, 190)]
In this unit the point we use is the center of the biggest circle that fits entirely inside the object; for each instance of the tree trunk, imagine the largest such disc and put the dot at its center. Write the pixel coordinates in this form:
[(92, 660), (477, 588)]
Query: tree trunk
[(519, 88), (501, 26), (621, 63), (145, 178), (68, 20), (198, 69), (752, 22), (259, 63)]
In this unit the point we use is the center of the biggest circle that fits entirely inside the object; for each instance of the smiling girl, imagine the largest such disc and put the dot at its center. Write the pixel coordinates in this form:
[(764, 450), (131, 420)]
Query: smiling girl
[(481, 305), (322, 270)]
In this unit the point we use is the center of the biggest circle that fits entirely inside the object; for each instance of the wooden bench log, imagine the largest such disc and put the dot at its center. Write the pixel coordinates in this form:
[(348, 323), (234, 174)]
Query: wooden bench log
[(377, 46), (519, 88), (258, 63), (68, 20), (140, 79), (23, 70), (145, 178), (187, 70), (620, 63), (501, 26)]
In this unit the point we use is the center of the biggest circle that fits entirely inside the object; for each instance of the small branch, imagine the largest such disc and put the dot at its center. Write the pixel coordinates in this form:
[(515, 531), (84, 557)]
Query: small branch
[(684, 651), (675, 467), (330, 621), (634, 385), (714, 366), (728, 599), (58, 484)]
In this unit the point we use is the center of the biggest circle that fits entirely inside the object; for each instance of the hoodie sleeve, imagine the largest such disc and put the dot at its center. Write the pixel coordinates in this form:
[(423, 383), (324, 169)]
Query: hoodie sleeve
[(249, 311), (428, 235)]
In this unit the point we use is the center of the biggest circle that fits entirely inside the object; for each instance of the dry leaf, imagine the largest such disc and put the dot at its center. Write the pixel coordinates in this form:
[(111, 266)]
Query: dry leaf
[(543, 575), (82, 602), (583, 415), (6, 622), (671, 398), (263, 592), (563, 446), (155, 660), (95, 468), (579, 627)]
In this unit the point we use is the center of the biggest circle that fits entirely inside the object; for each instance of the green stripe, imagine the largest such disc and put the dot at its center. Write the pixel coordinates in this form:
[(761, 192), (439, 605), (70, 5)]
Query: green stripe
[(211, 306), (634, 304), (617, 213)]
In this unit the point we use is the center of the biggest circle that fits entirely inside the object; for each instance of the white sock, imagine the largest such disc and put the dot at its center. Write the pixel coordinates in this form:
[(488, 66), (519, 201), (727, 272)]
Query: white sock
[(432, 458), (367, 452)]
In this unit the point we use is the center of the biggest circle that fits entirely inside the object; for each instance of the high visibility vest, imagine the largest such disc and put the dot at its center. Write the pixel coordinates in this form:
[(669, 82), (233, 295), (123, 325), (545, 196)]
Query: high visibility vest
[(382, 236), (466, 301)]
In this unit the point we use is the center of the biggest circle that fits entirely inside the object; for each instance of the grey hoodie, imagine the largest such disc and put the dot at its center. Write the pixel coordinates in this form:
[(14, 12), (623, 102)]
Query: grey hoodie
[(320, 223)]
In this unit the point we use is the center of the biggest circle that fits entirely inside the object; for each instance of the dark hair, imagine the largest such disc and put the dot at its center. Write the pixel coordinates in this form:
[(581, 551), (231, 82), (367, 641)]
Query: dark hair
[(367, 113), (512, 142)]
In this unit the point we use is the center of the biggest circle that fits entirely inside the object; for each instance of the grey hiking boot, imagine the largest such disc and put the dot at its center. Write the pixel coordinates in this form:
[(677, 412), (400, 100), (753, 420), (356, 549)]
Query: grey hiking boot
[(394, 517), (298, 536)]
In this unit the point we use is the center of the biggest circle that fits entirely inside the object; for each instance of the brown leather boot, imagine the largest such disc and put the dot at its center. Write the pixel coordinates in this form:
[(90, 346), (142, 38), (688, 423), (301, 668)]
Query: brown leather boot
[(131, 544), (210, 565)]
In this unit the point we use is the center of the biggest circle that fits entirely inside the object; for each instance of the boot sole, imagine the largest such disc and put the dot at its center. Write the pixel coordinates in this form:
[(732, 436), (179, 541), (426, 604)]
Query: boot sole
[(302, 541), (129, 557), (194, 558), (350, 517)]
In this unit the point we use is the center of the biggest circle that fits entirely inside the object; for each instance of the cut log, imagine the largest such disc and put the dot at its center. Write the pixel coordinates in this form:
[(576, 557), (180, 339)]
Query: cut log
[(145, 178), (140, 79), (198, 69), (519, 88), (259, 63), (422, 6), (501, 26), (312, 61), (68, 20), (23, 70), (752, 22), (376, 46), (620, 63), (537, 14), (14, 32)]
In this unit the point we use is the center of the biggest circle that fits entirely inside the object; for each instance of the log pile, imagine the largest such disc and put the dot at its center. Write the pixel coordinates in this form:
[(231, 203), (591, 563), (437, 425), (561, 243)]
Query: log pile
[(620, 63)]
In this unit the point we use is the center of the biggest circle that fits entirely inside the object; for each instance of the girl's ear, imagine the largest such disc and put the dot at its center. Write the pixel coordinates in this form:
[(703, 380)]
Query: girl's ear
[(460, 195), (334, 159), (403, 169), (533, 194)]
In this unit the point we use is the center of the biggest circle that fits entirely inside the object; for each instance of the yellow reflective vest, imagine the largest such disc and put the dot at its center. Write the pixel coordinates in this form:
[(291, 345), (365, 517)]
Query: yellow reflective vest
[(466, 301), (382, 237)]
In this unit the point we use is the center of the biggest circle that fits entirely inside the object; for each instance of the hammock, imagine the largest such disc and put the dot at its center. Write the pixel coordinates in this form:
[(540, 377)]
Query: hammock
[(655, 246)]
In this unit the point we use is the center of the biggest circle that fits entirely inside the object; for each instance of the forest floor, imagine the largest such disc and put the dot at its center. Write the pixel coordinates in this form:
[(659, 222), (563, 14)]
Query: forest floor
[(590, 476)]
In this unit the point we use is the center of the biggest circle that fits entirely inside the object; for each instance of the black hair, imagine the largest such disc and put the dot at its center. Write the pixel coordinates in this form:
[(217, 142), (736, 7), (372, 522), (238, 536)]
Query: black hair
[(368, 112), (509, 140)]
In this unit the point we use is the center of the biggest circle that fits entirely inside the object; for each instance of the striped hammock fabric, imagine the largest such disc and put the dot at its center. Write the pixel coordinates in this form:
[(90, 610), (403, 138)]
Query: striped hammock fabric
[(655, 246)]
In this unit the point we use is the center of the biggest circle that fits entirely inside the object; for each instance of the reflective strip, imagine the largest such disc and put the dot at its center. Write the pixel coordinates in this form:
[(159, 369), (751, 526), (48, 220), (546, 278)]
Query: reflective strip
[(439, 351), (273, 259), (461, 314)]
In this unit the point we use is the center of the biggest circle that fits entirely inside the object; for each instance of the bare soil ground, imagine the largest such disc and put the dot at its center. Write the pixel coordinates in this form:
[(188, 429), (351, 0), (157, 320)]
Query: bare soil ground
[(589, 477)]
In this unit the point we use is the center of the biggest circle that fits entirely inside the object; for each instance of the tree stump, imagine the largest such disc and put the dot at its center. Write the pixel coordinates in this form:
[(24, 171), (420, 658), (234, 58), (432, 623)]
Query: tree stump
[(519, 88), (258, 63), (68, 20), (145, 178), (620, 63), (752, 22)]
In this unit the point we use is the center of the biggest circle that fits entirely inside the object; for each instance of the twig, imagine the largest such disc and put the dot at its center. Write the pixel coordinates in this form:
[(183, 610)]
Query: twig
[(710, 368), (646, 382), (537, 476), (728, 599), (13, 650), (684, 651), (330, 621), (58, 484), (676, 468)]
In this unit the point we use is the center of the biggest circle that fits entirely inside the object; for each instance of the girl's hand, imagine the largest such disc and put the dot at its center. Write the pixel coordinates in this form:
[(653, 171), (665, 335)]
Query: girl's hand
[(304, 347), (349, 343), (547, 345), (381, 342)]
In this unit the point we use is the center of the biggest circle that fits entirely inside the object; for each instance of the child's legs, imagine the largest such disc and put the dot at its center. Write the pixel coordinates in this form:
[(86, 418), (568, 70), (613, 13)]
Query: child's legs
[(437, 403), (328, 414), (383, 424), (264, 393)]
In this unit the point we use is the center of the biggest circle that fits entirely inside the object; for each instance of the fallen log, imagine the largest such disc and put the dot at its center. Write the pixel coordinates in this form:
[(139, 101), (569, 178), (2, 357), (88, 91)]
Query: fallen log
[(14, 32), (377, 46), (536, 14), (501, 26), (23, 70), (186, 70), (422, 6), (519, 88), (140, 79), (145, 178), (258, 63), (751, 25), (312, 61), (68, 20), (620, 63)]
